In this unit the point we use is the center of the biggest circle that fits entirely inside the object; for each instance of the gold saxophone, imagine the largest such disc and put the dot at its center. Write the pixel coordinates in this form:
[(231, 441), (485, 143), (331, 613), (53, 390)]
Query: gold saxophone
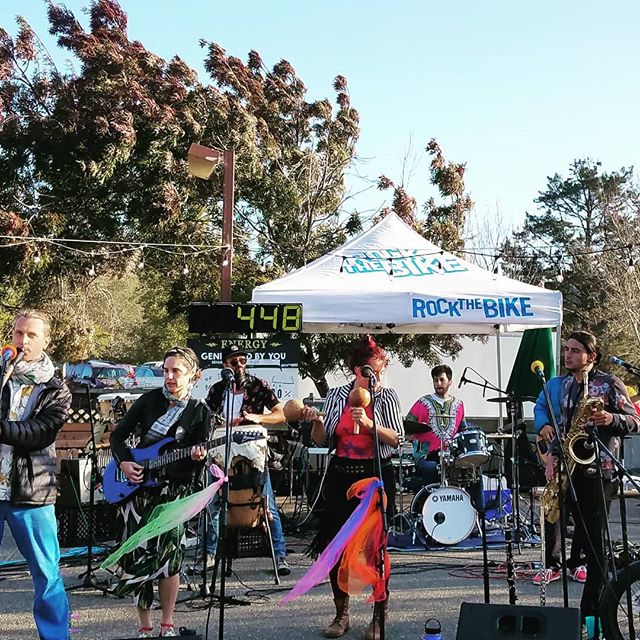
[(575, 450)]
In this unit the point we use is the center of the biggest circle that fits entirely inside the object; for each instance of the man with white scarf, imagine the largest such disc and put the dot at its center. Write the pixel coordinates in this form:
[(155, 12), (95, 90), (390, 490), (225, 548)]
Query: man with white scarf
[(33, 408)]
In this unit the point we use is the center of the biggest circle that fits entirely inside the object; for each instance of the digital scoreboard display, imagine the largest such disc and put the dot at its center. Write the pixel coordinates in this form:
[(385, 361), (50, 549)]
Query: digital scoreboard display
[(237, 317)]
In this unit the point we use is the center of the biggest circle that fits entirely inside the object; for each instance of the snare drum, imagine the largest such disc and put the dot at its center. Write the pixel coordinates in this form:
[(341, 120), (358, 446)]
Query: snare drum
[(462, 476), (403, 466), (469, 448), (443, 514)]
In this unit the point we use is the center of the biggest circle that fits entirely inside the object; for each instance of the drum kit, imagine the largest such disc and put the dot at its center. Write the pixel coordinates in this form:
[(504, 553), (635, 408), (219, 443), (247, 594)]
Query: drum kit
[(443, 513)]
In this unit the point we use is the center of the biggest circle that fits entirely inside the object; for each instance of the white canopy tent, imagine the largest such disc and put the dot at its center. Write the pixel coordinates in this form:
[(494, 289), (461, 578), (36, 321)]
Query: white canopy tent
[(391, 279)]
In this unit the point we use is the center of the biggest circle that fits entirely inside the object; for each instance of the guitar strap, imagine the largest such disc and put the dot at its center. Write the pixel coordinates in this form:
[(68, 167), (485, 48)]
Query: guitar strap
[(185, 419)]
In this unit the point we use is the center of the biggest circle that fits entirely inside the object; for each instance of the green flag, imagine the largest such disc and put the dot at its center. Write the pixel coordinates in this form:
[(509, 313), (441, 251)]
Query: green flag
[(537, 344)]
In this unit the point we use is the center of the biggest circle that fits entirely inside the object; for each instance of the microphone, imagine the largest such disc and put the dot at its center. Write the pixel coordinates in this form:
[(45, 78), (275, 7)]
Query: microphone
[(537, 367), (227, 374), (625, 365), (463, 380), (367, 372), (9, 353), (9, 358)]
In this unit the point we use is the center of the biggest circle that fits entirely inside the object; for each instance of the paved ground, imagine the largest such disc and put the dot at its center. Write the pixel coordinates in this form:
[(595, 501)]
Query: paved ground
[(423, 584)]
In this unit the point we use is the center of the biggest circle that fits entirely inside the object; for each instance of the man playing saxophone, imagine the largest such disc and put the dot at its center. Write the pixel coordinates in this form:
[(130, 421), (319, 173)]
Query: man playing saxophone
[(583, 388)]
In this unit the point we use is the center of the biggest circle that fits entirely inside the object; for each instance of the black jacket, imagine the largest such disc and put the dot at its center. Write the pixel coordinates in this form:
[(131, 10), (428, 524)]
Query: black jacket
[(195, 420), (33, 475)]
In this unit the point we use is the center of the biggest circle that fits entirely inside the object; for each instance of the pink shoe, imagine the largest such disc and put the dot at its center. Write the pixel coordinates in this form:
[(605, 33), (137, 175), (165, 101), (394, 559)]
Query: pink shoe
[(551, 575), (579, 574)]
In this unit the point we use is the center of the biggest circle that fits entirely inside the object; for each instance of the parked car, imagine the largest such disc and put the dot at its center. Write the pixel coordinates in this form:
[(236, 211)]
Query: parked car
[(152, 363), (95, 373), (148, 376)]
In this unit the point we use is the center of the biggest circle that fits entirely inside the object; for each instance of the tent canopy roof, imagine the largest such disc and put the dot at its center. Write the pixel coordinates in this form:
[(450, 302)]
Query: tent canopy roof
[(391, 279)]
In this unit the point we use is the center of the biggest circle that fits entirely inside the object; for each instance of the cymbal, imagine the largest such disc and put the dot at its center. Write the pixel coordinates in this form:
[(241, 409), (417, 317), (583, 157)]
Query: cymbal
[(508, 399)]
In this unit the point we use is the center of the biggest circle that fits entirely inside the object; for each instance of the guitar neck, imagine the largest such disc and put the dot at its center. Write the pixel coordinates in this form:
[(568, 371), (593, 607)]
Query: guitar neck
[(181, 454)]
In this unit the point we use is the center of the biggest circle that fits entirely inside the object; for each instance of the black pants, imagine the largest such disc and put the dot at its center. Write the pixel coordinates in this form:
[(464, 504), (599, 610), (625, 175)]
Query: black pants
[(589, 512), (553, 544)]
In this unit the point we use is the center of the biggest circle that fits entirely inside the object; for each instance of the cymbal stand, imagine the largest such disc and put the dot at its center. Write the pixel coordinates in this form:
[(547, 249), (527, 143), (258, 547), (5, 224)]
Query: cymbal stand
[(443, 462), (512, 408), (400, 515)]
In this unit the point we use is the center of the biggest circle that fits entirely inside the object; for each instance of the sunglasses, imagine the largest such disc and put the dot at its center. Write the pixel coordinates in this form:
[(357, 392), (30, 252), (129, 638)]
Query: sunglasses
[(235, 361)]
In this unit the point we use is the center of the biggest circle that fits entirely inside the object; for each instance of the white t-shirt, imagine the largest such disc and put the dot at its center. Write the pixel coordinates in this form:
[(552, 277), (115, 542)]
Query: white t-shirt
[(236, 405)]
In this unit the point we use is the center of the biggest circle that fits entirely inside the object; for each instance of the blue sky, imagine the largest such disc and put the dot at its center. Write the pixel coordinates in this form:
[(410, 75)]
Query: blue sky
[(516, 90)]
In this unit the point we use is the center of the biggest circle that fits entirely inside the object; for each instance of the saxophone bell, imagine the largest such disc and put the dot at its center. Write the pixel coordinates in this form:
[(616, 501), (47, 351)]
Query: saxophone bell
[(579, 444), (581, 449)]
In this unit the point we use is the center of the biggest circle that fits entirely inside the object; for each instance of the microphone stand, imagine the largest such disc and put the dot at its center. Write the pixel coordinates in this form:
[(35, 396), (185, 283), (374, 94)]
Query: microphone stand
[(508, 536), (483, 513), (512, 409), (89, 580), (383, 511), (221, 551), (562, 468)]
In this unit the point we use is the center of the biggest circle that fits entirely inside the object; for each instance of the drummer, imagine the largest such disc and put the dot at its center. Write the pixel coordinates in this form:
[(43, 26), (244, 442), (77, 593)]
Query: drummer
[(445, 416)]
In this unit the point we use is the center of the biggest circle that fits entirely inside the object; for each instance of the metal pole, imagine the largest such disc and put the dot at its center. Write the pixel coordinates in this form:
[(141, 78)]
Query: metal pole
[(499, 359), (227, 226)]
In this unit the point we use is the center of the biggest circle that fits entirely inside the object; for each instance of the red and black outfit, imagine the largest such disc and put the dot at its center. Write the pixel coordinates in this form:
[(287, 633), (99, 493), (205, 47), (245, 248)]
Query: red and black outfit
[(353, 460)]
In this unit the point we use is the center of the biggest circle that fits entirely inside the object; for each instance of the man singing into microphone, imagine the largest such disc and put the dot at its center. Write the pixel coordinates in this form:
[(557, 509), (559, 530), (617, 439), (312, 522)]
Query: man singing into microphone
[(251, 397), (34, 406)]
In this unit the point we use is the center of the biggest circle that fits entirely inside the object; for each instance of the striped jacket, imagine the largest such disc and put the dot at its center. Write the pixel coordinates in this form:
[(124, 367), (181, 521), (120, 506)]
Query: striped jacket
[(386, 407)]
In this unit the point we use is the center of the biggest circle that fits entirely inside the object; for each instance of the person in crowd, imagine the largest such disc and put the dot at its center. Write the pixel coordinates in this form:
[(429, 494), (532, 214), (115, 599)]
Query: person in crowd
[(34, 407), (253, 402), (617, 418), (350, 433), (445, 416), (169, 411)]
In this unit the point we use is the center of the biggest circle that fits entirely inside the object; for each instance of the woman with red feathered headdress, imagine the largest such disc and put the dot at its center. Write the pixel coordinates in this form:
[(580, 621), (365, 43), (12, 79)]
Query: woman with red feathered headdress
[(348, 423)]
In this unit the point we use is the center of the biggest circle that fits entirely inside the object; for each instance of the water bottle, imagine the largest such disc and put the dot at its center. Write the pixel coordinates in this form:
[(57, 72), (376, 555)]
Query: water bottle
[(432, 630), (590, 624)]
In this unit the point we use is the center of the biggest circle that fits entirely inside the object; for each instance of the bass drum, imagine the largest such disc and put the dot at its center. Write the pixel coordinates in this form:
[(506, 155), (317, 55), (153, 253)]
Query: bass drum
[(443, 514)]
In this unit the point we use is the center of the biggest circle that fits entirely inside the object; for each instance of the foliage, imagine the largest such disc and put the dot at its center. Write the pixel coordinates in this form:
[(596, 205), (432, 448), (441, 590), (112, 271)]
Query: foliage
[(580, 242), (101, 153)]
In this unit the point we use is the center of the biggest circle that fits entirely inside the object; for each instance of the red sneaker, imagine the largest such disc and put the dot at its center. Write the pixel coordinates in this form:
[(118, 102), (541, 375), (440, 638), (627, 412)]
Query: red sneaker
[(579, 574), (551, 575)]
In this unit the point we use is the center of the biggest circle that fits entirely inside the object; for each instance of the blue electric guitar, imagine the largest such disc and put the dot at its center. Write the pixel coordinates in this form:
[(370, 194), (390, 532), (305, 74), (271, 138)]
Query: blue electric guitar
[(117, 488)]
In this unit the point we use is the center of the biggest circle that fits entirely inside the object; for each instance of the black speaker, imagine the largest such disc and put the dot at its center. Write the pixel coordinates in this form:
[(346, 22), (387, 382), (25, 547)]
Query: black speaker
[(479, 621)]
